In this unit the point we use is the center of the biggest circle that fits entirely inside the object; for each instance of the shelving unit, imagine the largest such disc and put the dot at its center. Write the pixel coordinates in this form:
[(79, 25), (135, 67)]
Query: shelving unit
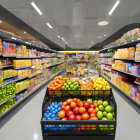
[(6, 66), (129, 43), (22, 67), (106, 64), (10, 77)]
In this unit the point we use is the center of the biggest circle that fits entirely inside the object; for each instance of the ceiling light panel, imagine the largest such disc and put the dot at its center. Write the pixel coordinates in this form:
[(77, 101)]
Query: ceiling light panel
[(103, 23), (49, 25), (114, 7), (36, 8)]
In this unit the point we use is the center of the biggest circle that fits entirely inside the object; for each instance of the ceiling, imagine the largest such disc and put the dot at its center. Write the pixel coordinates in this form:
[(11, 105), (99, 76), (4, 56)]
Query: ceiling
[(75, 20)]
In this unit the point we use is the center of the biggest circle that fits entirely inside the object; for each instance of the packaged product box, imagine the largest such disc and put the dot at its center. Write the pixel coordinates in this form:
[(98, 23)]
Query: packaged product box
[(137, 55), (138, 47), (0, 46), (133, 91), (135, 70), (131, 52), (137, 96)]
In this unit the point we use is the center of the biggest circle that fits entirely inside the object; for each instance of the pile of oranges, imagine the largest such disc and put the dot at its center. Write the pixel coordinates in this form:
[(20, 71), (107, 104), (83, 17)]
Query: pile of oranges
[(56, 84)]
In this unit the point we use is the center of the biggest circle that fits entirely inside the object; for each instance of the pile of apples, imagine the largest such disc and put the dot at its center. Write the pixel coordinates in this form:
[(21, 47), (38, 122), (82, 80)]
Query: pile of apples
[(75, 109)]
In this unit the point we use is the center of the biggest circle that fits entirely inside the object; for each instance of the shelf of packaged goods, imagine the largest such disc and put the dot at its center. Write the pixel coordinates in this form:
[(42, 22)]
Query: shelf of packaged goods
[(21, 90), (55, 64), (82, 61), (9, 77), (130, 42), (13, 81), (106, 64), (1, 67), (8, 55), (107, 75), (108, 70), (36, 57), (51, 57), (7, 100), (125, 94), (23, 67), (129, 59), (35, 75), (138, 83), (126, 72), (29, 94)]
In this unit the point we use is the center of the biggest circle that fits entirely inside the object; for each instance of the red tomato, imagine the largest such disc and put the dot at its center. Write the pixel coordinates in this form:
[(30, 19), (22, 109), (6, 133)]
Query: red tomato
[(69, 101), (92, 106), (78, 101), (80, 104), (85, 116), (63, 107), (91, 110), (67, 108), (87, 104), (92, 115), (69, 113), (76, 110), (82, 110), (95, 105), (73, 104), (93, 118), (72, 117), (61, 114), (64, 103), (78, 117), (75, 99)]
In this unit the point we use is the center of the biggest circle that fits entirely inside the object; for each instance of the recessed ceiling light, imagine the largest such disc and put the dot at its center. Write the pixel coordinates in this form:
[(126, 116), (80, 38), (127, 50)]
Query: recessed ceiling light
[(36, 8), (103, 23), (99, 37), (63, 39), (49, 25), (58, 36), (105, 35), (25, 32), (114, 7), (0, 21)]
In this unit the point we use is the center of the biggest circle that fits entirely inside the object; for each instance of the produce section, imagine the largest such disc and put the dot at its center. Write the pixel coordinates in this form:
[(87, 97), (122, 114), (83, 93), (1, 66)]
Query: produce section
[(84, 106)]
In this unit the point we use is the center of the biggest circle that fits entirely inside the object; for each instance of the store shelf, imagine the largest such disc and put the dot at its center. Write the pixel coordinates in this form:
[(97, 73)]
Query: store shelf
[(107, 64), (125, 94), (6, 66), (119, 45), (137, 60), (10, 77), (23, 67), (138, 83), (51, 57), (22, 90), (107, 70), (35, 75), (126, 72), (37, 57), (8, 55), (7, 100), (55, 64), (106, 57), (27, 96), (124, 59)]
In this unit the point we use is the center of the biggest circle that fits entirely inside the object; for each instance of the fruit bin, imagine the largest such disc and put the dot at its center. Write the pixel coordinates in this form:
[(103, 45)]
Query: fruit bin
[(100, 128)]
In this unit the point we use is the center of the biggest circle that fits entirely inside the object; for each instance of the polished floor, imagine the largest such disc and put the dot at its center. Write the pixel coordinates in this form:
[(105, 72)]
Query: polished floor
[(25, 124)]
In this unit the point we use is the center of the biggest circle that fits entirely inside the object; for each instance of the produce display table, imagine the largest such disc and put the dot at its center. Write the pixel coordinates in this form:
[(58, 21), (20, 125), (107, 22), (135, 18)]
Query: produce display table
[(78, 129)]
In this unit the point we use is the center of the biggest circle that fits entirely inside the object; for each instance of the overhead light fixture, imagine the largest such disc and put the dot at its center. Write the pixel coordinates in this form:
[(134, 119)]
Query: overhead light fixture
[(49, 25), (105, 35), (14, 38), (99, 37), (58, 36), (103, 23), (0, 21), (25, 32), (36, 8), (63, 39), (114, 7)]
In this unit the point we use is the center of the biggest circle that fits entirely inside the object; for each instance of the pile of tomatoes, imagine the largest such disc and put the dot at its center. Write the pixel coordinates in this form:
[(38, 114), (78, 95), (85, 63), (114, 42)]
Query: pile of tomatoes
[(75, 109), (56, 84)]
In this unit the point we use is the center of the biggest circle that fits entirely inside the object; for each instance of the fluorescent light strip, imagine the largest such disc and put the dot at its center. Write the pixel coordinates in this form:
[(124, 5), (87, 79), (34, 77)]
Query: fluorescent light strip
[(114, 7), (58, 36), (49, 25), (36, 8)]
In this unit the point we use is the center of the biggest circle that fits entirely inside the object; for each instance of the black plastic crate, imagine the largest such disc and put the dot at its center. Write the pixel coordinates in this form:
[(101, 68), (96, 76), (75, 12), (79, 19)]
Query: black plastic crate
[(78, 127)]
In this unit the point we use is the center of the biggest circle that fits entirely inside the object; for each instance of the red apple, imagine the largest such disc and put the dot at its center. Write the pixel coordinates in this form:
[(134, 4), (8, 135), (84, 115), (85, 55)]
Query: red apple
[(65, 118), (76, 110), (91, 110), (87, 104), (92, 115), (69, 113), (92, 106), (78, 117), (72, 117)]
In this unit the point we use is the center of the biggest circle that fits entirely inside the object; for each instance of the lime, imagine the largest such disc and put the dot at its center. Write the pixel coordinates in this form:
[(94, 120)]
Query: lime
[(67, 86)]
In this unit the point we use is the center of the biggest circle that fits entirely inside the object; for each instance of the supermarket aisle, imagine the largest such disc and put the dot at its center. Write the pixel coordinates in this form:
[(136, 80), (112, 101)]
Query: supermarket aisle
[(29, 128)]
